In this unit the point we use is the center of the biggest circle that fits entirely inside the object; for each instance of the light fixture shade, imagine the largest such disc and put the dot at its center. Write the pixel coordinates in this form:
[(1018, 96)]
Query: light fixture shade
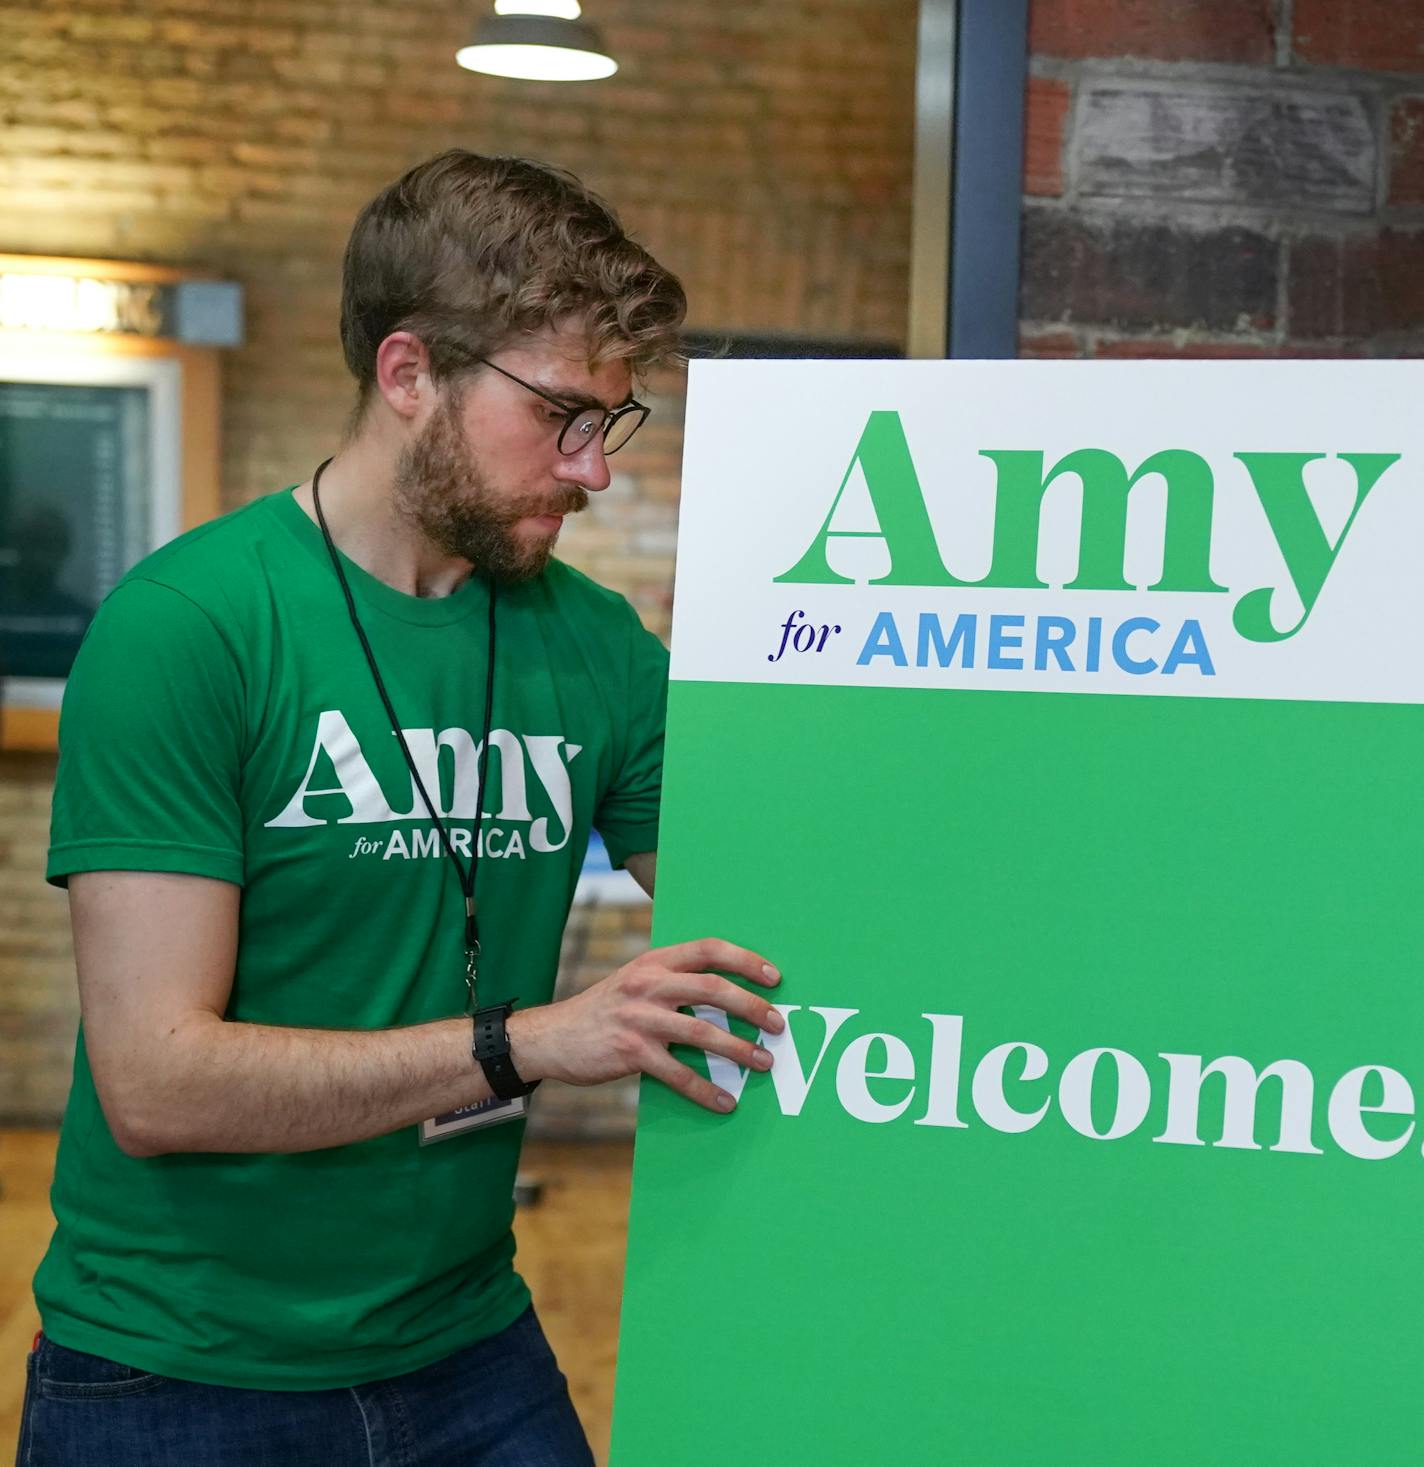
[(537, 48), (560, 9)]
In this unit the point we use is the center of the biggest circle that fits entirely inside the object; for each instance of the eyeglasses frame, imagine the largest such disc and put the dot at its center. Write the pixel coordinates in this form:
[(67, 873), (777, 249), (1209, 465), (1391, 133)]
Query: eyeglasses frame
[(572, 414)]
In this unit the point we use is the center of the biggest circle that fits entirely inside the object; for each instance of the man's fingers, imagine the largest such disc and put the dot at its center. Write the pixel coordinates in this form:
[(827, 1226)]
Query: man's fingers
[(662, 1066), (689, 989), (680, 1028), (726, 957)]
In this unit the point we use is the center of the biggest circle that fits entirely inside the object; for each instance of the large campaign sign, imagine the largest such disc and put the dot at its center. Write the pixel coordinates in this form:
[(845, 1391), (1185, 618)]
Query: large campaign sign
[(1056, 728)]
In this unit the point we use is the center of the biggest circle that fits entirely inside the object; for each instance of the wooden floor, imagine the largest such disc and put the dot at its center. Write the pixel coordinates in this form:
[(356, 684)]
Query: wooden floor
[(570, 1250)]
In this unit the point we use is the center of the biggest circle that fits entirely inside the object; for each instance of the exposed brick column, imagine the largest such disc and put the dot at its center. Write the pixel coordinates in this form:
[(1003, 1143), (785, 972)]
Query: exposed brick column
[(1226, 178)]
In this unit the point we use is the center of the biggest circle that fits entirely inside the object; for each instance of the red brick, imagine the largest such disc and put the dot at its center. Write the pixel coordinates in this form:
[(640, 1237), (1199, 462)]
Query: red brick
[(1141, 275), (1169, 348), (1372, 35), (1358, 286), (1161, 30), (110, 28), (1406, 168), (187, 150), (1198, 140), (1047, 115), (1048, 345)]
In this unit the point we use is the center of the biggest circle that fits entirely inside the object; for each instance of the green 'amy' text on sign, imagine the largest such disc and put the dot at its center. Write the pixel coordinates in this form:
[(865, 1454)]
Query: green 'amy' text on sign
[(1055, 728)]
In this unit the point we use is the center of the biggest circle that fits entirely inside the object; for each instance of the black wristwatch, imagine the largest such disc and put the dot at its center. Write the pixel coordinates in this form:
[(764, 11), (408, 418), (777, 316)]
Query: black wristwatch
[(490, 1048)]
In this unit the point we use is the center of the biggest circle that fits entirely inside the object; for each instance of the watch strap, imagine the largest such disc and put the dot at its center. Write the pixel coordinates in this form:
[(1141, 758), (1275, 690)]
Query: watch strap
[(490, 1049)]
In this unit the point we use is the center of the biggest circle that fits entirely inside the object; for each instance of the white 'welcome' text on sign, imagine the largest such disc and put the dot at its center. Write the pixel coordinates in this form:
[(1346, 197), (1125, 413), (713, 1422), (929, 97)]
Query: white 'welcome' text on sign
[(1007, 1092)]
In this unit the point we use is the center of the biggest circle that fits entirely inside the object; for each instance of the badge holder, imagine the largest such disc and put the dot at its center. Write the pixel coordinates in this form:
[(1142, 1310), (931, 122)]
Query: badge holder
[(492, 1112)]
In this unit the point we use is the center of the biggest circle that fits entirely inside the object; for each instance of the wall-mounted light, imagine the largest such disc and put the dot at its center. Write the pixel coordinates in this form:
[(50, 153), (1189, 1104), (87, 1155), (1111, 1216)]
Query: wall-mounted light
[(537, 40)]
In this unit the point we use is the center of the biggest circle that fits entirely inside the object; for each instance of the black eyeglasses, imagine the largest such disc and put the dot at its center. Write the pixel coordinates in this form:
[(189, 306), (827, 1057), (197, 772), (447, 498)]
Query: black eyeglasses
[(617, 425)]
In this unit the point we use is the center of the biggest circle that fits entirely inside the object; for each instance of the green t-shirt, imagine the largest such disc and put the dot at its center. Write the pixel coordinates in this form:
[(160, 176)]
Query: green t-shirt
[(221, 720)]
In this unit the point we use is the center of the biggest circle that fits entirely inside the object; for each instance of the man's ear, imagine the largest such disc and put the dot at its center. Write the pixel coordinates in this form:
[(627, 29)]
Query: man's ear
[(403, 373)]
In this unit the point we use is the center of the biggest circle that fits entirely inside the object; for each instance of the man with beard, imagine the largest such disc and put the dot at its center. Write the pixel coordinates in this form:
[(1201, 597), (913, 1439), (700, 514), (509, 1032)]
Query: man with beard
[(328, 769)]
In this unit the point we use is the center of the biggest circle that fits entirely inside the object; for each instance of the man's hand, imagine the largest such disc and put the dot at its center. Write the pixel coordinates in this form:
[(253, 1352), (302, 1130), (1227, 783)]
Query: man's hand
[(624, 1024)]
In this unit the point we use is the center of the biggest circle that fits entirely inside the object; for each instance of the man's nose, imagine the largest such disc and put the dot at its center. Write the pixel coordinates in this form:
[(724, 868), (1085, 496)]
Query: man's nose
[(589, 466)]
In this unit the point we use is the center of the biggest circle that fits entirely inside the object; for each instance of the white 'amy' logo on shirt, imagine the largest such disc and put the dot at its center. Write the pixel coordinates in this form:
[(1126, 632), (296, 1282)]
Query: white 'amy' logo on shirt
[(547, 755)]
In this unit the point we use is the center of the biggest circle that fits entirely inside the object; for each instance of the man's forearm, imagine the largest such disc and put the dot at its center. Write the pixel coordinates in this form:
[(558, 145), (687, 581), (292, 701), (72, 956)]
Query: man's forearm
[(155, 952), (220, 1085)]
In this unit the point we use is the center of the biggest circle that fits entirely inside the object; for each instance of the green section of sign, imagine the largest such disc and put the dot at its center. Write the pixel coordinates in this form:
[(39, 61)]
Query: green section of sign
[(1194, 877)]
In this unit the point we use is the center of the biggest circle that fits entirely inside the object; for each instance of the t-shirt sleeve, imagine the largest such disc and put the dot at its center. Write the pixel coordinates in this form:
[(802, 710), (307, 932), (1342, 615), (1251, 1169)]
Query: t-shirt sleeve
[(150, 743), (627, 816)]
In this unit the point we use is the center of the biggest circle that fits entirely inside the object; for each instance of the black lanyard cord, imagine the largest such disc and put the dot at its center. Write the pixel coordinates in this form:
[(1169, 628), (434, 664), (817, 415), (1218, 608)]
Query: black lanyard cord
[(466, 875)]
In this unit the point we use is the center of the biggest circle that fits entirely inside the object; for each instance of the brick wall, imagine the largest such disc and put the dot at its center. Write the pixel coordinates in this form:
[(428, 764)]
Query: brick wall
[(1225, 178), (762, 151), (38, 1006)]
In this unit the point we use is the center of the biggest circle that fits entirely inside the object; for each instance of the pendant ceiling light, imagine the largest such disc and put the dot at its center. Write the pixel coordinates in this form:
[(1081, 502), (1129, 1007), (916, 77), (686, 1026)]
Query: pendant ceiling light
[(537, 40)]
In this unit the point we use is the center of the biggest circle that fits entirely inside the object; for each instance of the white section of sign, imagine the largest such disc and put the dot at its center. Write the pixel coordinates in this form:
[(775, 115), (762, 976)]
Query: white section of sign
[(769, 445)]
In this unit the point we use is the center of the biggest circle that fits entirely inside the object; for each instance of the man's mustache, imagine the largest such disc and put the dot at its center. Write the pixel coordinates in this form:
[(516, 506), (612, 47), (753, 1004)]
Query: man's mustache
[(572, 500)]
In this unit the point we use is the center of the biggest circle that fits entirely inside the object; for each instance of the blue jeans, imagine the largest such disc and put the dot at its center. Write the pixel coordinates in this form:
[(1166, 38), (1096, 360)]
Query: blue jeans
[(500, 1403)]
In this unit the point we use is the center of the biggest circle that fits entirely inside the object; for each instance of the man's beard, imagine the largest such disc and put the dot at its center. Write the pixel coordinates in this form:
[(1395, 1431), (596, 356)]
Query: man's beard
[(441, 487)]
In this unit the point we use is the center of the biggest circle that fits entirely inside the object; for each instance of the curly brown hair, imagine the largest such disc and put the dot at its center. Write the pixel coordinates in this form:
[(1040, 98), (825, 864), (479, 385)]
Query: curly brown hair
[(470, 252)]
